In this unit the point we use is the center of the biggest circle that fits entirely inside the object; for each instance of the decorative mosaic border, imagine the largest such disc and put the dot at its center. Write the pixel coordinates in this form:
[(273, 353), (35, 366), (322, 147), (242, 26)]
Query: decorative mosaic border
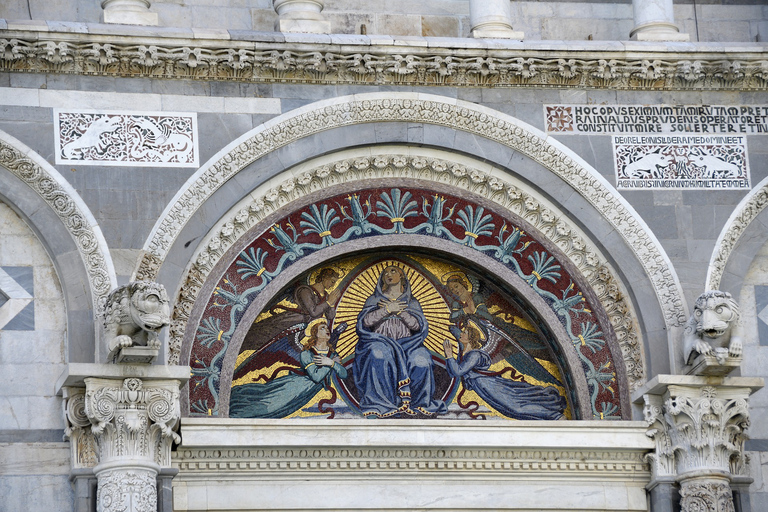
[(136, 56), (367, 108), (66, 203), (743, 215)]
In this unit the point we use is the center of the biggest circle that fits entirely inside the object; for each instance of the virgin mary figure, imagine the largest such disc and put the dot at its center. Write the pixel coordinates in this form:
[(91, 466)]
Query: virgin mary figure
[(392, 368)]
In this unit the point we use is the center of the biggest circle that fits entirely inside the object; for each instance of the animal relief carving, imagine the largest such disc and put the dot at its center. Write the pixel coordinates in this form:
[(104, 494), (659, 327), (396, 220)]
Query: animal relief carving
[(134, 314), (713, 329)]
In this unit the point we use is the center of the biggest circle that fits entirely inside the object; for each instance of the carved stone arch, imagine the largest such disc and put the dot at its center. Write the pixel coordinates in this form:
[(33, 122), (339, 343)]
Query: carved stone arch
[(442, 171), (69, 232), (743, 235)]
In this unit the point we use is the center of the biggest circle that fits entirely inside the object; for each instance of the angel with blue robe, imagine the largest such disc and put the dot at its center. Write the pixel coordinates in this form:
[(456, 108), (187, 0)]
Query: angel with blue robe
[(393, 370), (513, 399), (282, 396)]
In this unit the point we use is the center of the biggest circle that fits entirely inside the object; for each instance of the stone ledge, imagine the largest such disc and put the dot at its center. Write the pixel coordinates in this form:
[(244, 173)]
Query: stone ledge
[(536, 435), (76, 373), (660, 383)]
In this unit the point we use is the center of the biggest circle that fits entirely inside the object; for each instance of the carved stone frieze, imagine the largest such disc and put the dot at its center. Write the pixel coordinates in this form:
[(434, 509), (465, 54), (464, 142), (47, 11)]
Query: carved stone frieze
[(254, 61), (747, 211), (90, 243), (558, 229)]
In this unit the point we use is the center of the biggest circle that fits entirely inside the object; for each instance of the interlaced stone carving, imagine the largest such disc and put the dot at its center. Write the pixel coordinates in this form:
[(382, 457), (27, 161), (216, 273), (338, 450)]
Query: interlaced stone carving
[(136, 56)]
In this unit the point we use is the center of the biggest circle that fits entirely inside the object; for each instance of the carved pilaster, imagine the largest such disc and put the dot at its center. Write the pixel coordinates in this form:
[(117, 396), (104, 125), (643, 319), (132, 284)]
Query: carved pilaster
[(699, 425)]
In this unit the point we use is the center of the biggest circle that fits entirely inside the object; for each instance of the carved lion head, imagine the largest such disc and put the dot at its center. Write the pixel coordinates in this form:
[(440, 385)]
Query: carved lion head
[(150, 307), (715, 312)]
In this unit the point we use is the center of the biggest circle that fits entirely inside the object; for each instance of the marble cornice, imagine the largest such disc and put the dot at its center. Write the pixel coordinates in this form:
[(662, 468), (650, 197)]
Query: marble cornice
[(102, 50)]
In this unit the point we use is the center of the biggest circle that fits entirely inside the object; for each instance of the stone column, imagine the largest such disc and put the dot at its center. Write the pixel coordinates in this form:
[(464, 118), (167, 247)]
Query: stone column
[(301, 16), (699, 425), (655, 21), (492, 19), (121, 422)]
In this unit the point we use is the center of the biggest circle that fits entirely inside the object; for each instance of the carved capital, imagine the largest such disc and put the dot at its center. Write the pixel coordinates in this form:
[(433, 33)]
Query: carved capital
[(707, 431), (706, 495), (132, 419), (78, 429), (662, 459)]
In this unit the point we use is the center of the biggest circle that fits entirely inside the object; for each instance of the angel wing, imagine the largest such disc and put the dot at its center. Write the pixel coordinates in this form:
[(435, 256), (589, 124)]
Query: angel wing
[(285, 349), (501, 346)]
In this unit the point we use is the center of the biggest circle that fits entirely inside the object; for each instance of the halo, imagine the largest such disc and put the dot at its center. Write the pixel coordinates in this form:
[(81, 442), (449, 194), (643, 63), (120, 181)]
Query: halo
[(471, 324), (464, 277), (308, 329)]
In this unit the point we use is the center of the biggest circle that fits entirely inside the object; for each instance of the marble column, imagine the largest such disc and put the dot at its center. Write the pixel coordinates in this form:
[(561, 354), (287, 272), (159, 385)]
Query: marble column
[(655, 21), (699, 425), (121, 426), (492, 19), (128, 12), (301, 16)]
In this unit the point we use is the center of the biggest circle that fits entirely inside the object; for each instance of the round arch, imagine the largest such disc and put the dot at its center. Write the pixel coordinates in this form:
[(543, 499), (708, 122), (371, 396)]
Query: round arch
[(68, 231), (422, 119), (739, 241)]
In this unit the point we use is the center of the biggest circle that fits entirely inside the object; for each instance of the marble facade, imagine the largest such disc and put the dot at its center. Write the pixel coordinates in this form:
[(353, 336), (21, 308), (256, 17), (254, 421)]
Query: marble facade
[(598, 164)]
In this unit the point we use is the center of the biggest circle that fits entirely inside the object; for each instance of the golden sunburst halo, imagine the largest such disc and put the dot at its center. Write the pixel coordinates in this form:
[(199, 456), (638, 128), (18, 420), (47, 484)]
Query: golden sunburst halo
[(435, 310)]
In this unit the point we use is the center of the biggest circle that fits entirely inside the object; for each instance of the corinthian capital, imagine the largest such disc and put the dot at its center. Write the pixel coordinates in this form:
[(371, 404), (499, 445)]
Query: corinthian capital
[(132, 419)]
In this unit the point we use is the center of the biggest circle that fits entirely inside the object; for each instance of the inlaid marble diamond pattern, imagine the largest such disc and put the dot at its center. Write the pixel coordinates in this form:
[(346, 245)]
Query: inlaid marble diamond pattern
[(761, 303), (17, 311)]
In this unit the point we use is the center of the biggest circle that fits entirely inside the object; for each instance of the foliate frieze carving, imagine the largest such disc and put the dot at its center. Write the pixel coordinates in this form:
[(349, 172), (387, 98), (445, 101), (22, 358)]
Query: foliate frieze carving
[(334, 64), (74, 219), (409, 459), (133, 421), (591, 264), (746, 212), (591, 186)]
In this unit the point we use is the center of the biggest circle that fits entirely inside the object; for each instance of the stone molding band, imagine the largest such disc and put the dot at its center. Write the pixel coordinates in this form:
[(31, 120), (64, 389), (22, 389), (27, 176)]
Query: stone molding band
[(427, 109), (69, 207), (743, 67), (745, 212)]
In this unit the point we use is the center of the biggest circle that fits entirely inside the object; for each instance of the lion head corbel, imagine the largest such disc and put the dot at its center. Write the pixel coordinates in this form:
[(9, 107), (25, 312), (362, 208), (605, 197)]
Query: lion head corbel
[(713, 329)]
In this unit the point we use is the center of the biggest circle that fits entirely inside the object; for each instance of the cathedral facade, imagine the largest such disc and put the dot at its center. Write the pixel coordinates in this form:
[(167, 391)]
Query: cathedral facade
[(329, 255)]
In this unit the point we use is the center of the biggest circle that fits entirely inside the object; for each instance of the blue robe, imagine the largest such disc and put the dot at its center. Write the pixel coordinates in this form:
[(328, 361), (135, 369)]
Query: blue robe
[(518, 400), (284, 395), (392, 368)]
